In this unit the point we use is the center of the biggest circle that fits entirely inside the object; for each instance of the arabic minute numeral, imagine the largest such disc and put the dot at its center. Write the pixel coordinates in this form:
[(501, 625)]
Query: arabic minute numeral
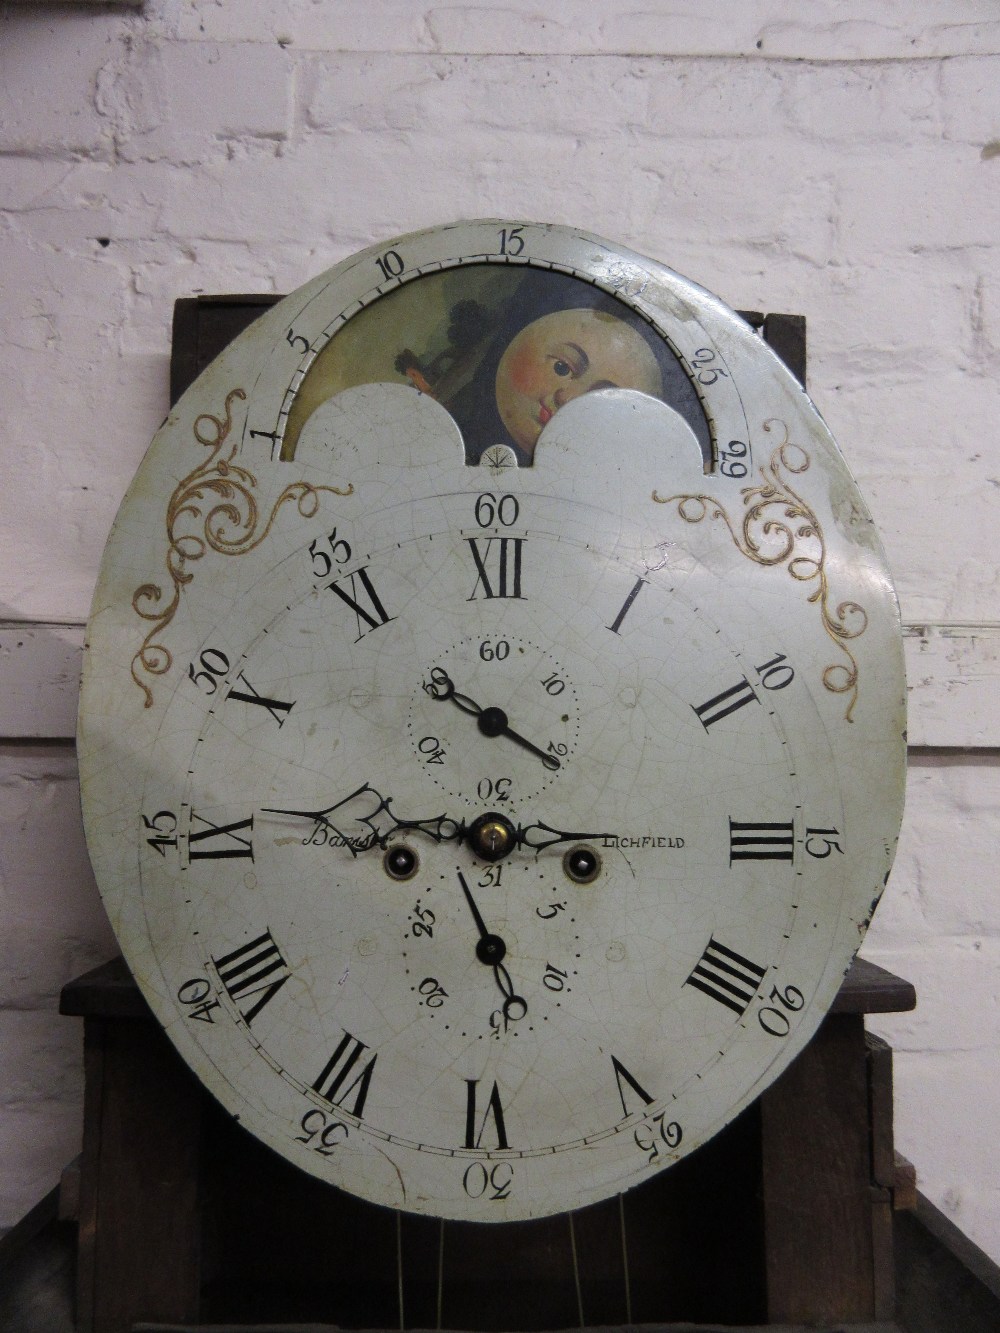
[(705, 372), (325, 552), (430, 748), (776, 674), (422, 921), (491, 509), (655, 1131), (547, 913), (391, 264), (554, 978), (492, 1182), (821, 842), (163, 826), (296, 341), (772, 1018), (322, 1134), (494, 652), (433, 993), (511, 241), (194, 995), (732, 460), (206, 673), (553, 685)]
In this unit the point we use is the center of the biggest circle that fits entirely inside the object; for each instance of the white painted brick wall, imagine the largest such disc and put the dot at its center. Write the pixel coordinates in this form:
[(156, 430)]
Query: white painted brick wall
[(841, 160)]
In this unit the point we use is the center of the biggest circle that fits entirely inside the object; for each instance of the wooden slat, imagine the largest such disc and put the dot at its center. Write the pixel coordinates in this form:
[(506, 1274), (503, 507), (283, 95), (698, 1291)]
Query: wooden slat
[(138, 1248), (816, 1182)]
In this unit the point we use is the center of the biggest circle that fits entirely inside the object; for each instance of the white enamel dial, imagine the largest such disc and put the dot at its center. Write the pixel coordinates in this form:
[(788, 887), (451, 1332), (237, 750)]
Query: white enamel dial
[(492, 740)]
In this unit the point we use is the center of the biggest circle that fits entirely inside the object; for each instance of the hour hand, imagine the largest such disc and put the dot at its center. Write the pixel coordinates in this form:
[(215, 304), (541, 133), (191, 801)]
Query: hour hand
[(370, 808)]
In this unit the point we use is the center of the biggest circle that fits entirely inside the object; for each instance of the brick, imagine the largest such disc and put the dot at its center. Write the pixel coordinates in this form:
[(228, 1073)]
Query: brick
[(948, 807), (185, 102), (733, 28), (877, 101), (839, 162), (970, 101), (49, 68), (917, 199), (709, 99), (572, 96)]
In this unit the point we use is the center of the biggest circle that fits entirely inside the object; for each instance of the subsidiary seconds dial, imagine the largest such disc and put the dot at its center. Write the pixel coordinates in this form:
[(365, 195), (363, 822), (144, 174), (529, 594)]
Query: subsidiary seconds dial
[(495, 720)]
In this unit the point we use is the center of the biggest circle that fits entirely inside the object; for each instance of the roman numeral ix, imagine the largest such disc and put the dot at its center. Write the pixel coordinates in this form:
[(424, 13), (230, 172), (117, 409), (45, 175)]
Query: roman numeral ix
[(220, 842)]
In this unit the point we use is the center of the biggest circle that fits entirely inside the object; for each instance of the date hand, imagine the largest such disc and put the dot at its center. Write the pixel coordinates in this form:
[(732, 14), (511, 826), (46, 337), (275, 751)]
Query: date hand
[(491, 950), (491, 721)]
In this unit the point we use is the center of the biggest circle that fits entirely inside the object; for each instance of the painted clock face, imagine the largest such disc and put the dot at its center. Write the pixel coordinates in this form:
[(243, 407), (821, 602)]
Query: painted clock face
[(492, 724)]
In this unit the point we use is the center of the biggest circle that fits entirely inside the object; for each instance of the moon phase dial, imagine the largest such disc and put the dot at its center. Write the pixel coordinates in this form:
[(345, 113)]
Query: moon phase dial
[(494, 721)]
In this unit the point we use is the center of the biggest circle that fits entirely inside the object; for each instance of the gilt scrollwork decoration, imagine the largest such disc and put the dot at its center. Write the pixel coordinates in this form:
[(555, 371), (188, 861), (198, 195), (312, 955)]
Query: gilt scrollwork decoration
[(213, 508), (778, 528)]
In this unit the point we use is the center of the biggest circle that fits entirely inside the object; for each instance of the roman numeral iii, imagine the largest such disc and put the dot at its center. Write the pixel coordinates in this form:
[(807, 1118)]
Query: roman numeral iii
[(760, 842)]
